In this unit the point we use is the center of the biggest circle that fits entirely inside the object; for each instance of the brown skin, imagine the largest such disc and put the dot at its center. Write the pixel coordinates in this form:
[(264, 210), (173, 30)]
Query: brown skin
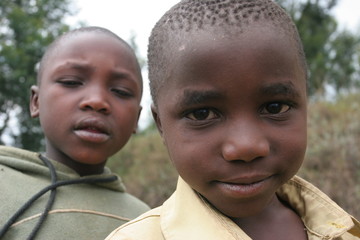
[(88, 100), (233, 118)]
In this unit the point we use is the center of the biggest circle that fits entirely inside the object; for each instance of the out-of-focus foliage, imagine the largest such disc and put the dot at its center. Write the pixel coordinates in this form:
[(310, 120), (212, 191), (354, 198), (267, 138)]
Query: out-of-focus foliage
[(145, 168), (135, 47), (331, 163), (26, 28), (332, 54)]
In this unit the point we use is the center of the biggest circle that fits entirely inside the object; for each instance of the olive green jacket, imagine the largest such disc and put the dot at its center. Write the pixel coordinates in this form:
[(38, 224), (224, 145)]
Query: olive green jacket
[(79, 210), (185, 215)]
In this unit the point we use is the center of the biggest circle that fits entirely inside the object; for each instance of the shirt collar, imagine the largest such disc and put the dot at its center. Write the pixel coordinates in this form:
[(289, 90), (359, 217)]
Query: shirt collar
[(321, 216), (186, 209)]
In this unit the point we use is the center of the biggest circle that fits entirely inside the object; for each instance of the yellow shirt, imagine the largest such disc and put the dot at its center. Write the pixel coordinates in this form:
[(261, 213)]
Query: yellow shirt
[(186, 216)]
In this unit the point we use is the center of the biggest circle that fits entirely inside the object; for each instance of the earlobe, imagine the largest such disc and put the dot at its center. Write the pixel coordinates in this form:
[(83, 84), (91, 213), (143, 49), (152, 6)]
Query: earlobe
[(157, 120), (34, 102)]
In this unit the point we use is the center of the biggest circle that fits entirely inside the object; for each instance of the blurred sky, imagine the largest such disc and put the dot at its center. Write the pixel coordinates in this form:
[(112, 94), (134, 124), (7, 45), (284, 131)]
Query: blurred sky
[(125, 17)]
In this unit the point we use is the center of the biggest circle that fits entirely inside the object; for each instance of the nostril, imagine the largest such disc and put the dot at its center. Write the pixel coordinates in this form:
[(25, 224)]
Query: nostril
[(104, 110), (245, 149), (97, 105), (87, 107)]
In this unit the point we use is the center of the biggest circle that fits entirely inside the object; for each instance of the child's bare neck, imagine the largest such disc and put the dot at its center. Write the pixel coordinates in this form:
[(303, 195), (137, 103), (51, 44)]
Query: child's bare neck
[(277, 222), (81, 168)]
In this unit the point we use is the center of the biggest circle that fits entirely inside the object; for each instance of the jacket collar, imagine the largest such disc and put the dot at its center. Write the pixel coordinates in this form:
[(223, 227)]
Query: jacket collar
[(30, 163)]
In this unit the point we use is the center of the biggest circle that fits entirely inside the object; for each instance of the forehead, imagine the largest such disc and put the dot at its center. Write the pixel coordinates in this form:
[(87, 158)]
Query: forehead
[(266, 44), (222, 59), (87, 46), (84, 42), (256, 38)]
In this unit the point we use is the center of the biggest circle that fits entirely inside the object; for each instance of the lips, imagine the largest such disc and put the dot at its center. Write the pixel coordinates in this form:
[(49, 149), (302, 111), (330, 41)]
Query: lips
[(244, 187), (92, 130), (246, 180)]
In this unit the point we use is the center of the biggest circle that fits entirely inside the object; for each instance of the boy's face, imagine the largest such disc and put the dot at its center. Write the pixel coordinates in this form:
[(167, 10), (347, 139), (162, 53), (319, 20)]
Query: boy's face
[(233, 117), (88, 98)]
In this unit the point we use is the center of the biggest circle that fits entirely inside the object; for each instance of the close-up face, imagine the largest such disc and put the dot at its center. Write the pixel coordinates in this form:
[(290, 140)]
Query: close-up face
[(89, 97), (233, 117)]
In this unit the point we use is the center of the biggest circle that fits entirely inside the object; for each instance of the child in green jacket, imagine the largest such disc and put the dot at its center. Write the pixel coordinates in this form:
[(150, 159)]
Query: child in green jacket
[(88, 101)]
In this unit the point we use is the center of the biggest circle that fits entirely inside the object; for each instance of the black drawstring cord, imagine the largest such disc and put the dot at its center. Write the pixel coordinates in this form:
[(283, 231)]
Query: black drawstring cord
[(52, 186), (51, 198), (21, 210)]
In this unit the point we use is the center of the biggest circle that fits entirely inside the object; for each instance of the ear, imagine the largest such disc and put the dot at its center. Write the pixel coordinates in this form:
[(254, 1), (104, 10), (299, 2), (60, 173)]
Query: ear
[(156, 117), (137, 122), (34, 102)]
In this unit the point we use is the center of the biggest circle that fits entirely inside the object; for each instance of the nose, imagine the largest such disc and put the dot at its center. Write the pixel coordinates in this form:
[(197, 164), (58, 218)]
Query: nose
[(96, 100), (245, 141)]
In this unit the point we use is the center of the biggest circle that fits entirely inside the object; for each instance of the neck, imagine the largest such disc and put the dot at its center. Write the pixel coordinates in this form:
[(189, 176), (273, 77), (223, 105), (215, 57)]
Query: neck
[(81, 168), (277, 221)]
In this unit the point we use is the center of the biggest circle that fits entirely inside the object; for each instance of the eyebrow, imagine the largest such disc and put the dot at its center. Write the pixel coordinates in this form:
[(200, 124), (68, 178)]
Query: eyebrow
[(85, 67), (284, 89), (73, 65), (193, 97), (197, 97)]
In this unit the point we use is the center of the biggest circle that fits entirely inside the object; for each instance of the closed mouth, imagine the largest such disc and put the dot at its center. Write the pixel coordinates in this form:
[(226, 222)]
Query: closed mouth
[(244, 187), (246, 180)]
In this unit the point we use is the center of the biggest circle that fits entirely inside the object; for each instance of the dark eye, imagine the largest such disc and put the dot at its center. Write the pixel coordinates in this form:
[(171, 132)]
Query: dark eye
[(202, 114), (276, 108)]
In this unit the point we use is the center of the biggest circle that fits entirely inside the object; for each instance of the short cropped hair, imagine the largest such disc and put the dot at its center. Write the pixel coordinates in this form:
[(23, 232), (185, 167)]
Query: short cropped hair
[(223, 16), (92, 29)]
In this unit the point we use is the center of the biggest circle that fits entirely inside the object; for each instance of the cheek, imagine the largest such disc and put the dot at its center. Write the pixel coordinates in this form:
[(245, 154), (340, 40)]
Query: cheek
[(53, 105), (299, 138), (293, 145), (51, 112), (189, 155), (127, 115), (124, 121), (173, 140)]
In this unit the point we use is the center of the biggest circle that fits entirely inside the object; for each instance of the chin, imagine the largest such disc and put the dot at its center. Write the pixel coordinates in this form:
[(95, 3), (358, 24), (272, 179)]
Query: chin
[(89, 160), (244, 209), (92, 163)]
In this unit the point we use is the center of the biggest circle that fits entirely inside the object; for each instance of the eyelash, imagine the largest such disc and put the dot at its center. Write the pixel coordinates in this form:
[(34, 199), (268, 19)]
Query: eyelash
[(284, 107), (265, 108), (122, 93), (191, 114), (69, 83)]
